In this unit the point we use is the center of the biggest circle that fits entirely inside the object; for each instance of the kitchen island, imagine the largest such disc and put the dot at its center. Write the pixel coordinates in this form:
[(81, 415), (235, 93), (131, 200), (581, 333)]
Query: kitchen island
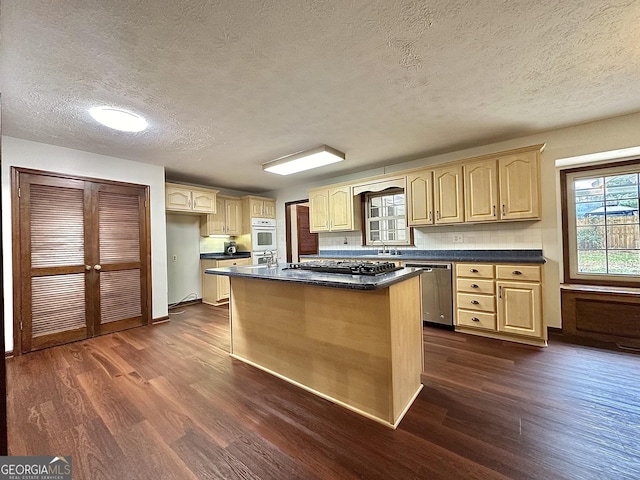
[(355, 340)]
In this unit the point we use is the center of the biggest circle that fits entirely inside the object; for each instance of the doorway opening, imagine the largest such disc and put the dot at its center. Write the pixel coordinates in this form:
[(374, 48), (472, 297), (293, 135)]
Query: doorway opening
[(300, 240)]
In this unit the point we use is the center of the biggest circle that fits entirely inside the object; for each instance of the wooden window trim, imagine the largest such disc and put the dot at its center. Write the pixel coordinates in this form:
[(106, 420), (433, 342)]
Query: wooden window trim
[(564, 200)]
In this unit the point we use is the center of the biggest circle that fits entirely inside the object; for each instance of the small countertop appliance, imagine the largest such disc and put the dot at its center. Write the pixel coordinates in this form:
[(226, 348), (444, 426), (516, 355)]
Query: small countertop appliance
[(230, 247)]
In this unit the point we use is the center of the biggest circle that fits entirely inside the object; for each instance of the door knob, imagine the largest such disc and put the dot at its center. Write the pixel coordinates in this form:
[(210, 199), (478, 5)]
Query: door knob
[(87, 268), (98, 267)]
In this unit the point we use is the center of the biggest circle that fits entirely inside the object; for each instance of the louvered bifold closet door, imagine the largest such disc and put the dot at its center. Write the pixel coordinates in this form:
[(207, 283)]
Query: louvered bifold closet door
[(52, 246), (121, 300)]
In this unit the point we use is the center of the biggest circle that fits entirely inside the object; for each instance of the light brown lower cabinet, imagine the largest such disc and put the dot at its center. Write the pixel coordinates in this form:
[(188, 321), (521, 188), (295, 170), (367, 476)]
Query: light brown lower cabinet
[(500, 301), (215, 288)]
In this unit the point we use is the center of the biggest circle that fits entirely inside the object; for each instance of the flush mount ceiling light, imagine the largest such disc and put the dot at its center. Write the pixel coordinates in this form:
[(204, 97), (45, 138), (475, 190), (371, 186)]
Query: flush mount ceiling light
[(118, 119), (298, 162)]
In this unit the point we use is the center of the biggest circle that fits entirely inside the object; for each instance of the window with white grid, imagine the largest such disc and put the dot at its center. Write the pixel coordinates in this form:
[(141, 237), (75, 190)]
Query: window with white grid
[(603, 233), (386, 218)]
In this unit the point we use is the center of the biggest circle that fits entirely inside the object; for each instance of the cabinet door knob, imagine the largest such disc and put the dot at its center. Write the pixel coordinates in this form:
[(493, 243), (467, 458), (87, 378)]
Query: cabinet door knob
[(517, 272), (474, 270), (475, 302), (473, 285), (475, 319)]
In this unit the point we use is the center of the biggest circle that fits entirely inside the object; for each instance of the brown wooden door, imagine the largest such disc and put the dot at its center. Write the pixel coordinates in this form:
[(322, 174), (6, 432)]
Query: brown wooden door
[(119, 276), (83, 259), (307, 241)]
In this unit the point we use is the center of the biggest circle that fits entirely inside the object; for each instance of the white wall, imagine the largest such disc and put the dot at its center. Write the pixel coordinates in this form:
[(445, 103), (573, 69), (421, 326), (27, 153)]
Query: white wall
[(183, 273), (604, 135), (23, 153)]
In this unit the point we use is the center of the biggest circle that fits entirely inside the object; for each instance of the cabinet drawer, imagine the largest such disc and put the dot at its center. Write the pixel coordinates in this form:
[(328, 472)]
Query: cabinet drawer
[(472, 285), (526, 273), (471, 301), (474, 270), (233, 263), (482, 320)]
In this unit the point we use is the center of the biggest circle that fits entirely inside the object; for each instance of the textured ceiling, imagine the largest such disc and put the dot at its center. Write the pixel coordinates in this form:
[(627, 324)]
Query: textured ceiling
[(228, 85)]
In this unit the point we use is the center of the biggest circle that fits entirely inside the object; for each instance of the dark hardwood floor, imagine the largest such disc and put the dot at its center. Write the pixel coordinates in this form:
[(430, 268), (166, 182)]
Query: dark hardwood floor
[(167, 401)]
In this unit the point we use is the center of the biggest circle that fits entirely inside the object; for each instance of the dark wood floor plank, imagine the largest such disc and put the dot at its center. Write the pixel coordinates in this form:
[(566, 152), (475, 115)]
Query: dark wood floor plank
[(114, 409), (208, 460), (96, 455), (208, 419), (153, 457), (167, 401)]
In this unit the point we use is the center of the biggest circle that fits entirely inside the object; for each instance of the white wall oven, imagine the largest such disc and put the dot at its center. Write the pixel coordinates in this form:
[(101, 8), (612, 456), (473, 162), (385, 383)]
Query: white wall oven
[(263, 234)]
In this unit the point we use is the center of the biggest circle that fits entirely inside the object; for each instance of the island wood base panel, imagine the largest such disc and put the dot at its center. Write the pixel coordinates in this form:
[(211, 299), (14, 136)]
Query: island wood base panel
[(359, 349), (331, 399)]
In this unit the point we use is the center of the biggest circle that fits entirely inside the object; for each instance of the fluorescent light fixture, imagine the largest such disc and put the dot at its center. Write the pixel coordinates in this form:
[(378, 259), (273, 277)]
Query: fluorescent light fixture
[(298, 162), (118, 119)]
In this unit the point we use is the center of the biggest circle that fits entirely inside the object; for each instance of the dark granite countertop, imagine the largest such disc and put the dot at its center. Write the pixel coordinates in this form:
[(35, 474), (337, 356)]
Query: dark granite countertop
[(224, 256), (335, 280), (497, 256)]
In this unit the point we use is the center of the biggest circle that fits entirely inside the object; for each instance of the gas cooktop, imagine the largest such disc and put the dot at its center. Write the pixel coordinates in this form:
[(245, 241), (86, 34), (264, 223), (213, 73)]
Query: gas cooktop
[(346, 267)]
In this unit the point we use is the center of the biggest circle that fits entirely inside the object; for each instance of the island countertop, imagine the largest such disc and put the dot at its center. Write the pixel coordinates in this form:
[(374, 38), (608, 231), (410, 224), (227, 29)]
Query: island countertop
[(283, 273), (491, 256)]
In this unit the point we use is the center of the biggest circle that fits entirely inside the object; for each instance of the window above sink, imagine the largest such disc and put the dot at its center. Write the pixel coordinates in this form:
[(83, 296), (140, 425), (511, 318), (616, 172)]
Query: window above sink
[(385, 218)]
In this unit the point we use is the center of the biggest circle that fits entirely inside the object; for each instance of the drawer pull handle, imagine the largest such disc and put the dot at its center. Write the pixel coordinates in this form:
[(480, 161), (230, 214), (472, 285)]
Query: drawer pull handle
[(473, 285), (475, 302), (474, 270), (517, 272), (475, 319)]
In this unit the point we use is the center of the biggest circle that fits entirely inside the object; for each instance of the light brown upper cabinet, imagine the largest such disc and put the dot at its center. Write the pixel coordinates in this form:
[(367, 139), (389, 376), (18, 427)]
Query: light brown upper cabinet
[(186, 199), (481, 191), (519, 185), (260, 207), (448, 194), (226, 221), (505, 188), (500, 186), (332, 209), (319, 210), (420, 198)]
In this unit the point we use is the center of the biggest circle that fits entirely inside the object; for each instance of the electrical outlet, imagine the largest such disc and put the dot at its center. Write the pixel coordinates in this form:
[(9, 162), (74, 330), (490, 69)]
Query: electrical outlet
[(174, 258), (458, 239)]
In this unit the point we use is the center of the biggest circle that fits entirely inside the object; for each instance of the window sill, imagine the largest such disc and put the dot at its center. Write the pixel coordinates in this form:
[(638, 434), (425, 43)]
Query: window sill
[(576, 287)]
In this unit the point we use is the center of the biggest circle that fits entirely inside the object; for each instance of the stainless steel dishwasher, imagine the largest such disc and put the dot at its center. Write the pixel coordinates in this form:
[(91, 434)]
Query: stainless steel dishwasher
[(437, 293)]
